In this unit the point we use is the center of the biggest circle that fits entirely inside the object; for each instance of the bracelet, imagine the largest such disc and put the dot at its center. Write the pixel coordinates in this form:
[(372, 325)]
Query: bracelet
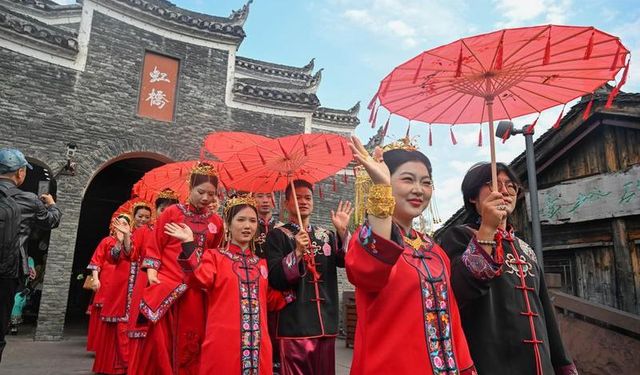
[(485, 242), (380, 201)]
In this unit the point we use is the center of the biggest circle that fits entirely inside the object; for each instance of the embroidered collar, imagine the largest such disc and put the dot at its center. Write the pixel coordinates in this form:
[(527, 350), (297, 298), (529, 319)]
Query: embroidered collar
[(235, 249), (271, 220), (191, 211), (297, 227)]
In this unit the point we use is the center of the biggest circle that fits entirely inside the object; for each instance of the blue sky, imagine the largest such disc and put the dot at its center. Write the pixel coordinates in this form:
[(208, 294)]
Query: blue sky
[(358, 42)]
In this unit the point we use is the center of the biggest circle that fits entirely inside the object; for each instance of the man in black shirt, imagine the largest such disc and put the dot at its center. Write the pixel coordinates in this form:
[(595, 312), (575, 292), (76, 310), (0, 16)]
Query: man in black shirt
[(31, 212)]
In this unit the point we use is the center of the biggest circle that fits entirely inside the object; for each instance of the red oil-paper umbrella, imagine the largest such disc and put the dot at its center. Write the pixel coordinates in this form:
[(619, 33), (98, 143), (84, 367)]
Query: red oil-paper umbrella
[(502, 75), (274, 165), (223, 145), (174, 176)]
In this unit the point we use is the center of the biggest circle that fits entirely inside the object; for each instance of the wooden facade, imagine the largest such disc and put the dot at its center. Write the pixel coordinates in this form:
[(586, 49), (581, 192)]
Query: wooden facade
[(596, 259)]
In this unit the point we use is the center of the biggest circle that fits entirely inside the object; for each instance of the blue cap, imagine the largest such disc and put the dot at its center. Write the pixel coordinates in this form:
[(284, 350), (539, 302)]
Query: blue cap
[(11, 160)]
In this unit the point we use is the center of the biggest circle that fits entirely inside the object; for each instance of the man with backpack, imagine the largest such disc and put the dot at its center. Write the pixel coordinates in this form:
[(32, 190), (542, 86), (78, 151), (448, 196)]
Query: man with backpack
[(20, 212)]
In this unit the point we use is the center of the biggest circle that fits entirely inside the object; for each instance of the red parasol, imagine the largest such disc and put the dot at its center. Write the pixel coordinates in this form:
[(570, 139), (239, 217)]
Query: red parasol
[(223, 145), (502, 74), (273, 165), (174, 176)]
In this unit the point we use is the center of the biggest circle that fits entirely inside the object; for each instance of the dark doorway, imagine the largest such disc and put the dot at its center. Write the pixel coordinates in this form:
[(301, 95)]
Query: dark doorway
[(108, 189)]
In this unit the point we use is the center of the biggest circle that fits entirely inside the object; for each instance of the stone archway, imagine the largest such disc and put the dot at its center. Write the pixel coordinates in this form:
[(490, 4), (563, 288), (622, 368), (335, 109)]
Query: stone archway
[(110, 186), (91, 163)]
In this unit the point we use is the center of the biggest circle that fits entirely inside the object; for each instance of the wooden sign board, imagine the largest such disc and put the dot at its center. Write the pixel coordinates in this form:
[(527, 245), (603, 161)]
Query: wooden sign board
[(157, 98), (590, 198)]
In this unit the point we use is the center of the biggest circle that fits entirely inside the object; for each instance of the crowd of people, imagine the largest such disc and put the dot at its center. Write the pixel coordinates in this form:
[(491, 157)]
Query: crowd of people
[(181, 290)]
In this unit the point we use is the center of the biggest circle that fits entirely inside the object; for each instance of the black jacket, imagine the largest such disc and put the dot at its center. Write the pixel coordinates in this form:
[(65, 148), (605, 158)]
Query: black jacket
[(33, 213), (494, 312)]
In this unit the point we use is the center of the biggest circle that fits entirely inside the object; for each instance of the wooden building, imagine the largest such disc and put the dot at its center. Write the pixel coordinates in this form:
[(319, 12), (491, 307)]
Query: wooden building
[(588, 173)]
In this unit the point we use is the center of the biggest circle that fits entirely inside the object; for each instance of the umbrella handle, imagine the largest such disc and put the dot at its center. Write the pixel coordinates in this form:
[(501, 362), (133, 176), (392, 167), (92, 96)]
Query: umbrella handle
[(492, 142), (295, 200)]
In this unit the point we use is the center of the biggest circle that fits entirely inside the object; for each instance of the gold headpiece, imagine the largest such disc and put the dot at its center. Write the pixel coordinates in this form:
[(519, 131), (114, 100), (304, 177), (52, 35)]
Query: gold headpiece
[(401, 144), (204, 169), (140, 204), (238, 200), (168, 194)]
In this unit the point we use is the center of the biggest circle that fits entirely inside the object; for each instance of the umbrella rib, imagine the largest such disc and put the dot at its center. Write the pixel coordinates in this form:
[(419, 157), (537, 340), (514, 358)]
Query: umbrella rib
[(525, 44), (435, 119), (505, 107), (412, 95), (570, 69), (552, 85), (535, 93), (474, 55), (465, 107), (568, 77), (453, 61), (560, 53), (416, 87), (495, 55), (526, 102), (553, 44), (574, 60)]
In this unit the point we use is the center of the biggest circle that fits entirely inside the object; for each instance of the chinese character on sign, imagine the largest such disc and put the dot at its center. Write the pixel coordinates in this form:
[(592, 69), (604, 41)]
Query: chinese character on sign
[(157, 98), (157, 76)]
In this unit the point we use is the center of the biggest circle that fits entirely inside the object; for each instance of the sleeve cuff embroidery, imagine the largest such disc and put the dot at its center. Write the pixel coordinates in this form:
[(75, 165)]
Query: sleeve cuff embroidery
[(93, 267), (292, 267), (387, 251), (481, 265), (150, 263)]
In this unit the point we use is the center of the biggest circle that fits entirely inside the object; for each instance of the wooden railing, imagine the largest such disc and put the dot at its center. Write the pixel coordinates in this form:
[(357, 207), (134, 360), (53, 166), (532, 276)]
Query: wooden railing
[(612, 317)]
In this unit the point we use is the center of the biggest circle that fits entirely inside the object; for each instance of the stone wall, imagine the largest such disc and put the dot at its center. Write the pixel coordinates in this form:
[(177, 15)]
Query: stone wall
[(44, 106)]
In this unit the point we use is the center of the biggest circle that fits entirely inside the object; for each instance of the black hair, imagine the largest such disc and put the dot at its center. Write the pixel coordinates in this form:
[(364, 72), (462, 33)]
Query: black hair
[(395, 158), (141, 207), (233, 211), (165, 202), (297, 184), (478, 176)]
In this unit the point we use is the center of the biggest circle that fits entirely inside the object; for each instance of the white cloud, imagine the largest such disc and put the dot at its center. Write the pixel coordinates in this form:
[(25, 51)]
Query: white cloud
[(628, 34), (518, 13), (406, 23)]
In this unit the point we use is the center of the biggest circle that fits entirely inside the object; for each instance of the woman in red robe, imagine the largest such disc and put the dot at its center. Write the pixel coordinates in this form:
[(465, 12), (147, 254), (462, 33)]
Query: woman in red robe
[(141, 239), (237, 338), (177, 312), (110, 304), (408, 319)]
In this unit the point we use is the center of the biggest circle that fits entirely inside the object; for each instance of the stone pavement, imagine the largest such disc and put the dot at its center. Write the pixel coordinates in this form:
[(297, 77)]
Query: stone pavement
[(23, 356)]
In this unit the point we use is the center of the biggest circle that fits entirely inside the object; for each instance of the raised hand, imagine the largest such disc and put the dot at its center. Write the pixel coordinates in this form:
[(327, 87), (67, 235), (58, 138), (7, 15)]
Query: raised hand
[(340, 217), (302, 243), (152, 276), (180, 231), (375, 166), (121, 226)]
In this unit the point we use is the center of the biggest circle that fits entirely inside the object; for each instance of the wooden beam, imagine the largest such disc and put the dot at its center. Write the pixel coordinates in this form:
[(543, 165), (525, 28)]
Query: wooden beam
[(605, 314), (568, 146), (625, 290)]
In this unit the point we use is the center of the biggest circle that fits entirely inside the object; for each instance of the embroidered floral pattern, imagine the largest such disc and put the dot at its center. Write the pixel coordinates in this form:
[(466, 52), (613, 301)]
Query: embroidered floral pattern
[(435, 306), (137, 334), (155, 315), (527, 250), (512, 264), (151, 263), (249, 310), (478, 264)]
